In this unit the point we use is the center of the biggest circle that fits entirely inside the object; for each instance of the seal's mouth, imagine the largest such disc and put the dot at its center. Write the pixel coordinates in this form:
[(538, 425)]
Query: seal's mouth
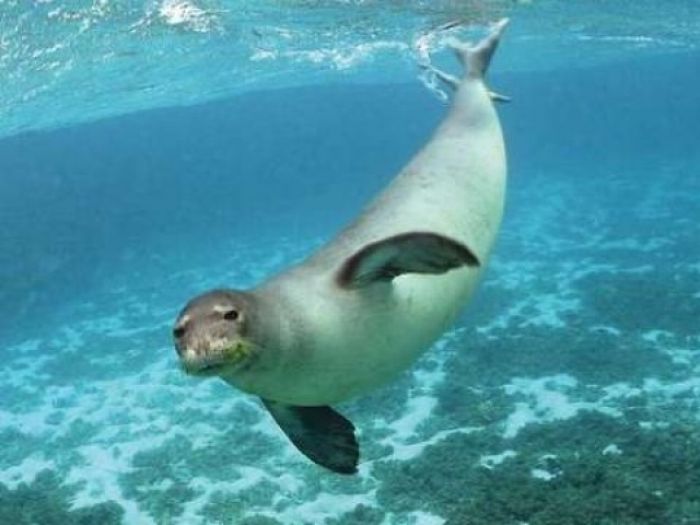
[(217, 361)]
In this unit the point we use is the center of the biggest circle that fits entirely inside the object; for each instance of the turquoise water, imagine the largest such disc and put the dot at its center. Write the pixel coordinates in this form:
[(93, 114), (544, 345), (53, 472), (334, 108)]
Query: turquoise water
[(154, 150)]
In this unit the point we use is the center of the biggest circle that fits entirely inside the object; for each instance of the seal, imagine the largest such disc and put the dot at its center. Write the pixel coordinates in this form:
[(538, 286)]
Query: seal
[(367, 304)]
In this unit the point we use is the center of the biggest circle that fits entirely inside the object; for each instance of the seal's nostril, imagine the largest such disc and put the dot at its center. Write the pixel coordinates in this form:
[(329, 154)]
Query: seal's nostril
[(178, 332)]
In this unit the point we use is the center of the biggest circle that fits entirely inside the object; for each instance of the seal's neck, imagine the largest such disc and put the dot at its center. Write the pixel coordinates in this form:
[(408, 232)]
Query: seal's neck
[(272, 329)]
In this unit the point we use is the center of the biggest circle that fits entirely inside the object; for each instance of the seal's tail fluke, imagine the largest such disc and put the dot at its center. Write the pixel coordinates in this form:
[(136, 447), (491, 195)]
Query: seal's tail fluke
[(474, 58), (477, 58)]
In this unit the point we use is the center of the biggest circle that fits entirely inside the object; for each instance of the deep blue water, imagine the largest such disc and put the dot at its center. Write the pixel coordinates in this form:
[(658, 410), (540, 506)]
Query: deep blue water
[(579, 357)]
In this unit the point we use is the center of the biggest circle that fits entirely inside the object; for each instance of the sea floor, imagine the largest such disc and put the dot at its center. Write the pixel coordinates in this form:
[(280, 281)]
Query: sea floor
[(569, 393)]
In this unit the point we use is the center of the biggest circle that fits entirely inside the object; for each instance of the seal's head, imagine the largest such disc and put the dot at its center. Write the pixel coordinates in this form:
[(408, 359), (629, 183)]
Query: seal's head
[(212, 335)]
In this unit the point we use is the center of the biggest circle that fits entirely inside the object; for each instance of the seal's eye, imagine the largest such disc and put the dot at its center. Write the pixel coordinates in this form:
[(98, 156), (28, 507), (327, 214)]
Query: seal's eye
[(231, 315), (178, 331)]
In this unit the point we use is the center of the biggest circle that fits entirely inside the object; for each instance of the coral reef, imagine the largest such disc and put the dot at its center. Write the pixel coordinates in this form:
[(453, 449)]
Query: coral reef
[(47, 501)]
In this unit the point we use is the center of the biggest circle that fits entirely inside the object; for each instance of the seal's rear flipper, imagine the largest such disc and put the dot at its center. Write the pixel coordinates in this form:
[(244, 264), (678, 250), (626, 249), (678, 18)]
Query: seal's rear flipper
[(414, 252), (475, 59), (320, 433)]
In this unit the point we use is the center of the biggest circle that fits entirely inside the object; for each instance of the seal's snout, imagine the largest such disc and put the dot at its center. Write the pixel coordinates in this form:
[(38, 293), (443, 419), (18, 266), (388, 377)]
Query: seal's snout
[(179, 333)]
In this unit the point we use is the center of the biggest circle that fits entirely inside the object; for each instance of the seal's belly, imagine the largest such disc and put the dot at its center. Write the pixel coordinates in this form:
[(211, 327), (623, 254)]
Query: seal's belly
[(364, 341)]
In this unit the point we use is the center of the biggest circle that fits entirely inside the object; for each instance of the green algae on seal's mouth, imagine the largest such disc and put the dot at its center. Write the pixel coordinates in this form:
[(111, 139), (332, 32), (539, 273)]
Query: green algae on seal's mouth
[(235, 353), (228, 356)]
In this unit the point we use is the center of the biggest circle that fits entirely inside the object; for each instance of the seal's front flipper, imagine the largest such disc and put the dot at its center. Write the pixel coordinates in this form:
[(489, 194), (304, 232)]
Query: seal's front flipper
[(320, 433), (414, 252)]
